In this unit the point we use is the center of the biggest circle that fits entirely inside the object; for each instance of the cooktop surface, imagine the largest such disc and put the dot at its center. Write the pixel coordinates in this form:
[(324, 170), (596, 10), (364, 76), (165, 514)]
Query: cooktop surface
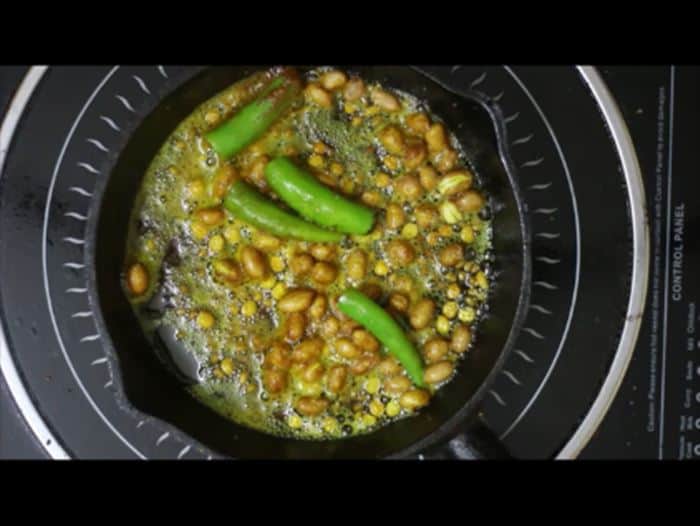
[(606, 366)]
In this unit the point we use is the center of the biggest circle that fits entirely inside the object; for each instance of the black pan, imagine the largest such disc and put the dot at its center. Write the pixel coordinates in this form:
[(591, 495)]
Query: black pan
[(144, 383)]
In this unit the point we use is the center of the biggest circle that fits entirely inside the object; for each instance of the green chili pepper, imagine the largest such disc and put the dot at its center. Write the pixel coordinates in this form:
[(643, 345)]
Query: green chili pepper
[(377, 321), (250, 123), (249, 205), (314, 201)]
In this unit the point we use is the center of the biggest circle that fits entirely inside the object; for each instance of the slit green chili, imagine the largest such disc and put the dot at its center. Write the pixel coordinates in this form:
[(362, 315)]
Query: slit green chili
[(380, 323), (314, 201), (249, 205), (251, 122)]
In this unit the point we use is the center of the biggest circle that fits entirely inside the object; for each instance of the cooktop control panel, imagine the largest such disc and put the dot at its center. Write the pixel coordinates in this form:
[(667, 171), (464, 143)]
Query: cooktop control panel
[(657, 410)]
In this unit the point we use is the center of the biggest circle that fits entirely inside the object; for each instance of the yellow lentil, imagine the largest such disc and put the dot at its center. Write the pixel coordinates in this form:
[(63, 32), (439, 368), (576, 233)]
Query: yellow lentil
[(376, 408), (409, 231), (216, 243), (196, 188), (320, 147), (249, 308), (268, 283), (481, 280), (467, 234), (453, 291), (372, 385), (279, 290), (199, 230), (449, 309), (383, 180), (277, 264), (337, 169), (442, 325), (227, 366), (369, 420), (381, 269), (316, 161), (467, 314), (232, 234), (330, 424), (205, 320), (393, 408), (391, 162)]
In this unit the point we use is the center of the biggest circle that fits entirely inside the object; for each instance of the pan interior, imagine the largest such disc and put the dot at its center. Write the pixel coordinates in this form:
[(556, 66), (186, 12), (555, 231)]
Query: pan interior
[(151, 389)]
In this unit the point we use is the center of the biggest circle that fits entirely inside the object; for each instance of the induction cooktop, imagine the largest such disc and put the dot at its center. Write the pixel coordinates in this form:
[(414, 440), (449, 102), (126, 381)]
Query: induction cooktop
[(606, 365)]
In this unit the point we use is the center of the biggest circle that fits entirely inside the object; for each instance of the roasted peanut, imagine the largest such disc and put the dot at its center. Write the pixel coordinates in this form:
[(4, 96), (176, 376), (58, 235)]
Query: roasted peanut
[(228, 270), (415, 153), (418, 123), (223, 179), (137, 279), (295, 326), (211, 216), (354, 89), (256, 171), (392, 139), (332, 80), (435, 349), (421, 314), (445, 161), (318, 307), (323, 252), (428, 177), (397, 384), (470, 201), (313, 372), (330, 327), (278, 356), (324, 273), (395, 216), (307, 350), (337, 375), (364, 363), (318, 95), (426, 215), (296, 300), (266, 242), (408, 187), (414, 399), (438, 372), (461, 338), (365, 341), (436, 137), (347, 349), (399, 302), (301, 264), (274, 380), (451, 255), (385, 100), (389, 366), (254, 262), (400, 252), (357, 264), (308, 406)]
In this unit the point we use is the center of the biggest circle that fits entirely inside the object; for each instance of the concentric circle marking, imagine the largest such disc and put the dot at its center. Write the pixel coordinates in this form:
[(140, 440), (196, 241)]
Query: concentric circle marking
[(47, 288), (577, 272)]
